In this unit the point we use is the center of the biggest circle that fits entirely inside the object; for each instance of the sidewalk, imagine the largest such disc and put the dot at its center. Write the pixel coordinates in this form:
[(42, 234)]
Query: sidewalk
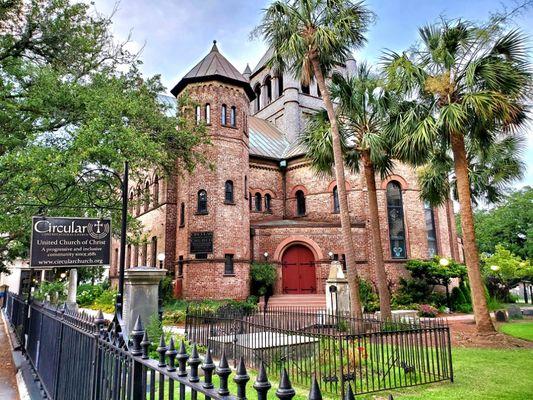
[(8, 380)]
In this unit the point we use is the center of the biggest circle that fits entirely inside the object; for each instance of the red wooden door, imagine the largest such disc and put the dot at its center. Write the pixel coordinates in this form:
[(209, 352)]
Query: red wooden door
[(298, 269)]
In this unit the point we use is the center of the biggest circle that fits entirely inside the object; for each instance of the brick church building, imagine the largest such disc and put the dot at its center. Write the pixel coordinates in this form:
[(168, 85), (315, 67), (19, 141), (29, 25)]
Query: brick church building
[(262, 202)]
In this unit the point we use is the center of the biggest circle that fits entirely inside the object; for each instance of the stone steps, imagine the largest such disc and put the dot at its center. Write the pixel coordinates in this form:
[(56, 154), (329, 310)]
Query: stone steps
[(298, 300)]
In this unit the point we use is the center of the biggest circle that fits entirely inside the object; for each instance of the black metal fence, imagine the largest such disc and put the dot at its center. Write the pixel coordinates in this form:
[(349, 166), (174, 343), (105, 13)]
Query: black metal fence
[(369, 354), (76, 356)]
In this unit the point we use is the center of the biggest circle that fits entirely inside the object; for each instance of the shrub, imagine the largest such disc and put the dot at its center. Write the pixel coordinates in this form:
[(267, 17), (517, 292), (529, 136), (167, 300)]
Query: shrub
[(57, 291), (263, 278), (369, 298), (426, 310), (88, 293), (106, 301), (167, 289)]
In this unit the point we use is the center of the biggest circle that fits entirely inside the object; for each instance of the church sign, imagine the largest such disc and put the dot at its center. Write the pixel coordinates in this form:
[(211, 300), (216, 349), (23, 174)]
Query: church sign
[(201, 242), (70, 242)]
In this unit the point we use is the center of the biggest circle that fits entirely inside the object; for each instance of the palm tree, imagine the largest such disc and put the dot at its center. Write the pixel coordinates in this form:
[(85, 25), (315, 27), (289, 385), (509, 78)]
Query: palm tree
[(491, 170), (309, 38), (363, 115), (469, 84)]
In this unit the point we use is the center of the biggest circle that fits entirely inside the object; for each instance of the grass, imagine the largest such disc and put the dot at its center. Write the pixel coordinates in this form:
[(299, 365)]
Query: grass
[(480, 374), (522, 330)]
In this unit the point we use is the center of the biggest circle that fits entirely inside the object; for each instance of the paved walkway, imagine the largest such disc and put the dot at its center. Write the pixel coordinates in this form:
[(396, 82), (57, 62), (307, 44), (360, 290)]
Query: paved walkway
[(8, 381)]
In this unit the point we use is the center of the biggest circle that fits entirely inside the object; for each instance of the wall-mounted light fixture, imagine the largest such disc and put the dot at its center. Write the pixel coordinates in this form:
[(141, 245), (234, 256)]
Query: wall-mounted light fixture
[(265, 254)]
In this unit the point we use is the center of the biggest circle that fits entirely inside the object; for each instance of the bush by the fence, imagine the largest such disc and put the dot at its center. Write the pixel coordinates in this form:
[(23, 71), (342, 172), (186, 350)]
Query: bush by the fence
[(263, 278)]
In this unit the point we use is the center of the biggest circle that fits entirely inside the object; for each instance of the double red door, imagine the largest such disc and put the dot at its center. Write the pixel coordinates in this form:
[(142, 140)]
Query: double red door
[(298, 269)]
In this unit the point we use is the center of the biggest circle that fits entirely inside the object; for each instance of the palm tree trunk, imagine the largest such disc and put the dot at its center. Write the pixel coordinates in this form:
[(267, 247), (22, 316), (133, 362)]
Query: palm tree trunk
[(479, 302), (346, 228), (379, 265)]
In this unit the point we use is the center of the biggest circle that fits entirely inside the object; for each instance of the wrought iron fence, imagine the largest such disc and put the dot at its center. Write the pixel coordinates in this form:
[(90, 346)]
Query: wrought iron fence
[(76, 356), (368, 353)]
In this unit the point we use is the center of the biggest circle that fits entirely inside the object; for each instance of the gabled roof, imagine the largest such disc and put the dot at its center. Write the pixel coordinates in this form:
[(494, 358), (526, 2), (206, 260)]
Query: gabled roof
[(268, 141), (214, 66)]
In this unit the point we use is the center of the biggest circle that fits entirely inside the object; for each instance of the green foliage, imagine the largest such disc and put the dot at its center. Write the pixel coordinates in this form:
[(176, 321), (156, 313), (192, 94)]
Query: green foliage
[(503, 270), (509, 224), (87, 294), (369, 299), (167, 289), (426, 310), (72, 97), (460, 298), (56, 291), (106, 301), (263, 278)]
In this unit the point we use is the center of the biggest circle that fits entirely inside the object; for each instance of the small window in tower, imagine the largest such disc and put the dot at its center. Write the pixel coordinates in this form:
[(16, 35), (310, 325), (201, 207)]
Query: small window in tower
[(223, 114), (280, 85), (198, 115), (146, 195), (128, 256), (153, 256), (268, 87), (305, 89), (336, 205), (156, 191), (180, 266), (300, 203), (228, 192), (258, 199), (268, 203), (250, 200), (208, 114), (245, 187), (257, 91), (182, 215), (202, 202), (138, 205), (228, 265), (233, 117)]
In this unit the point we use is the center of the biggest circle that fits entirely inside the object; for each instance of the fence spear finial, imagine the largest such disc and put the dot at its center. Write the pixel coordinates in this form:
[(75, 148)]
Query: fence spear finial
[(241, 378), (262, 385), (162, 350), (315, 393), (208, 369), (285, 390), (223, 371), (349, 393)]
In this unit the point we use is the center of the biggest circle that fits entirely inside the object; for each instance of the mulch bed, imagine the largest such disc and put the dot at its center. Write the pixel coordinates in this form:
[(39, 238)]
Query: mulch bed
[(464, 335)]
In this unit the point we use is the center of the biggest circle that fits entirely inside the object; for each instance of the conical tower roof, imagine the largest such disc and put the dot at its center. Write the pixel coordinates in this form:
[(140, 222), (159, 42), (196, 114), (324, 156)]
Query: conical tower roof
[(214, 66)]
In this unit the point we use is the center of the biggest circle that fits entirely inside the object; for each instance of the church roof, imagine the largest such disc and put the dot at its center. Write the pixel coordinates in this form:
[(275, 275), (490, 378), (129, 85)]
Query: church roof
[(214, 66), (268, 141)]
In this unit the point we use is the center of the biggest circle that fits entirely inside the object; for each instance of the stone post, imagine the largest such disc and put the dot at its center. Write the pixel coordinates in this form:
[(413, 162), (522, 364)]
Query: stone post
[(337, 290), (72, 289), (141, 294)]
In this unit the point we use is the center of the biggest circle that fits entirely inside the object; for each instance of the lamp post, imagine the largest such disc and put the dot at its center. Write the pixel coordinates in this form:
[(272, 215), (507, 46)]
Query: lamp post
[(161, 259), (444, 262), (265, 254)]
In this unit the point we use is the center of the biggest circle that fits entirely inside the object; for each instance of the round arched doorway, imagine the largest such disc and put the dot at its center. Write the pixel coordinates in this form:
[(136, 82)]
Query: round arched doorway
[(298, 270)]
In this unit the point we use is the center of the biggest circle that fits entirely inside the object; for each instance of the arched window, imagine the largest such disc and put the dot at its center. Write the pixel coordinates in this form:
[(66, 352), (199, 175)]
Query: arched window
[(198, 114), (280, 85), (395, 217), (300, 203), (182, 214), (305, 89), (233, 117), (156, 191), (223, 114), (258, 205), (336, 205), (431, 229), (268, 202), (138, 199), (208, 113), (146, 195), (202, 202), (228, 192), (268, 88), (130, 204), (257, 91)]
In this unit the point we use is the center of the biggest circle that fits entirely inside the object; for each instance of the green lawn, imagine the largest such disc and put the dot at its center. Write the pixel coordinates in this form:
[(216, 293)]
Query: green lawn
[(480, 374), (519, 329)]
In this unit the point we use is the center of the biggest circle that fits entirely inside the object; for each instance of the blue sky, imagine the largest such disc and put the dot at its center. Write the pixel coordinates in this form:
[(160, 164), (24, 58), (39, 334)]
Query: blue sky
[(175, 34)]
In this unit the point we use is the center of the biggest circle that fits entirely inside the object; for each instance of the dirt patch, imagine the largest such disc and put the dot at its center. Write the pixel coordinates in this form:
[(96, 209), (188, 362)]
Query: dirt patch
[(464, 334)]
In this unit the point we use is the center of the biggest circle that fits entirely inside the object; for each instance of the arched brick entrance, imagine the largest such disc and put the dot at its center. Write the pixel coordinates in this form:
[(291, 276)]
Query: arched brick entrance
[(298, 270)]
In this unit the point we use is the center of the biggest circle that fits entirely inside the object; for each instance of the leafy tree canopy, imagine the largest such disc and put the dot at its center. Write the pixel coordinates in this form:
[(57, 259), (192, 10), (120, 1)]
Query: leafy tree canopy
[(434, 272), (72, 98), (509, 224)]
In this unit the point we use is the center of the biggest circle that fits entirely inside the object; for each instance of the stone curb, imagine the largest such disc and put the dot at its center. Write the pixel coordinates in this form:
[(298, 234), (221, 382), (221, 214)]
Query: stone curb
[(18, 361)]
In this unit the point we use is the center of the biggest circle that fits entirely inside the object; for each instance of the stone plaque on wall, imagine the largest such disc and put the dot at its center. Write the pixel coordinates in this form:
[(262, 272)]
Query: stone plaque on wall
[(201, 242)]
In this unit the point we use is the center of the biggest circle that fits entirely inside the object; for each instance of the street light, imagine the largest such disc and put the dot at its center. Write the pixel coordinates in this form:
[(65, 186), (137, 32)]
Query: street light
[(444, 262), (161, 258), (265, 254), (494, 268), (330, 255)]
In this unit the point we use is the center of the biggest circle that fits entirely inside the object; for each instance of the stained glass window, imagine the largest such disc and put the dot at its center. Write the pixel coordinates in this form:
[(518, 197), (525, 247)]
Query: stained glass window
[(431, 230), (395, 217)]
